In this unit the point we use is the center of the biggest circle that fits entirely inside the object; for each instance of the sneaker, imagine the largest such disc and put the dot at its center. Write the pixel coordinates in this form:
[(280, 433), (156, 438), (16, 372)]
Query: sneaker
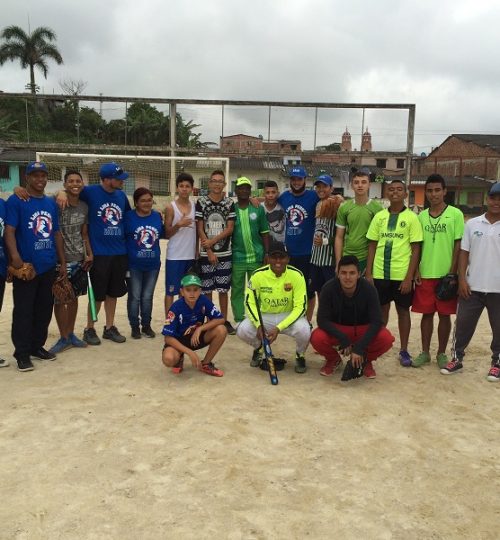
[(179, 366), (148, 331), (494, 373), (77, 342), (442, 360), (44, 354), (210, 369), (256, 357), (60, 346), (24, 364), (405, 358), (331, 365), (113, 334), (300, 363), (421, 359), (454, 366), (4, 363), (90, 337), (369, 371), (230, 329), (136, 332)]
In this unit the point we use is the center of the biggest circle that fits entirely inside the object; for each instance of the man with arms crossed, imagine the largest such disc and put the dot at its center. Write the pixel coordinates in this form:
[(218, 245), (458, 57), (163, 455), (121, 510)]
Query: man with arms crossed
[(443, 227)]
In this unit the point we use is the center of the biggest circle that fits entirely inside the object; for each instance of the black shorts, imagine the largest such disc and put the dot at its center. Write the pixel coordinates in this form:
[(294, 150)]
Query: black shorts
[(303, 263), (2, 290), (388, 290), (186, 341), (108, 276), (320, 275)]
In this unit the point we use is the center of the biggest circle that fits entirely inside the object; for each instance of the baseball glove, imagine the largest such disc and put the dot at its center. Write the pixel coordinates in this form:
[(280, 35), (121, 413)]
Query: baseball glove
[(447, 288), (279, 364), (26, 272), (351, 372), (63, 290), (327, 208)]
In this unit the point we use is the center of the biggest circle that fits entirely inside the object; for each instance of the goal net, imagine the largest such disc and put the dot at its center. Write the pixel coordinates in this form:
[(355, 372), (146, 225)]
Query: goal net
[(157, 173)]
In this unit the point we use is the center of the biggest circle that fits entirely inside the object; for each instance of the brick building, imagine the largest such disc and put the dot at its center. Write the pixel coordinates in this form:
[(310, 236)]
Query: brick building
[(246, 144)]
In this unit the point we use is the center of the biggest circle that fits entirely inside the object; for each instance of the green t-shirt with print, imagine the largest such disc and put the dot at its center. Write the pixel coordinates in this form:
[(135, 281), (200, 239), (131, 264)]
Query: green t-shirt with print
[(250, 223), (393, 233), (440, 234), (355, 219)]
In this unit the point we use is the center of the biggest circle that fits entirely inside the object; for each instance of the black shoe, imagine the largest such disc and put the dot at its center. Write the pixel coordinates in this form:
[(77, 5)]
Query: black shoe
[(230, 329), (113, 334), (90, 336), (148, 331), (300, 363), (256, 357), (43, 354), (136, 332), (3, 363), (24, 364)]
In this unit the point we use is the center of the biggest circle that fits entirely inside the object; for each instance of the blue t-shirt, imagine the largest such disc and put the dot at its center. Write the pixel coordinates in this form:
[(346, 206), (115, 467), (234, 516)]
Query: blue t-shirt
[(143, 235), (35, 222), (300, 213), (106, 213), (3, 257), (182, 320)]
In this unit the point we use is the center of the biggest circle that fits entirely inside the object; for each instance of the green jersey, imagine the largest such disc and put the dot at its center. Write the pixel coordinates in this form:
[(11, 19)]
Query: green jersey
[(355, 219), (393, 233), (283, 294), (440, 234), (250, 223)]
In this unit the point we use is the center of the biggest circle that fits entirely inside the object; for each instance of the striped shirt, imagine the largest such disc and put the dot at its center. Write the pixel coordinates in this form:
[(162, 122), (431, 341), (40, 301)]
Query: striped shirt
[(324, 255)]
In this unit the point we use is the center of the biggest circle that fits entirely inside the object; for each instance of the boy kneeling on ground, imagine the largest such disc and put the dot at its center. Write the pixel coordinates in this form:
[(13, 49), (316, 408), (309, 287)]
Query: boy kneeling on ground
[(186, 331)]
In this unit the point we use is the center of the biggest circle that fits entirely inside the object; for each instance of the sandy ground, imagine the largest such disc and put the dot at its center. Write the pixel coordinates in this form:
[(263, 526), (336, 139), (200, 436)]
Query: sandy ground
[(107, 443)]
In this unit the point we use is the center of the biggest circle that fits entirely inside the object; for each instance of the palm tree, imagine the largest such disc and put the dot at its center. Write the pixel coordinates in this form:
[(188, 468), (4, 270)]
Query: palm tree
[(32, 50)]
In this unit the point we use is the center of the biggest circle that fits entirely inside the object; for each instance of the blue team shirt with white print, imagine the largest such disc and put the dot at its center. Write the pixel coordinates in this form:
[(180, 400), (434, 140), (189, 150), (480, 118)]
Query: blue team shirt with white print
[(106, 215), (3, 258), (143, 235), (300, 215), (36, 221), (182, 320)]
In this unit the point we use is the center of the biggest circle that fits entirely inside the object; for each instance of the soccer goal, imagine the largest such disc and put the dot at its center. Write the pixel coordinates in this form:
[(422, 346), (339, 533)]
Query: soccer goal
[(158, 173)]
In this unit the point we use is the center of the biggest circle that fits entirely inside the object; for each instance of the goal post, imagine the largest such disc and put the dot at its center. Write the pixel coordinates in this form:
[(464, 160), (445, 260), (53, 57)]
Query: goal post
[(157, 173)]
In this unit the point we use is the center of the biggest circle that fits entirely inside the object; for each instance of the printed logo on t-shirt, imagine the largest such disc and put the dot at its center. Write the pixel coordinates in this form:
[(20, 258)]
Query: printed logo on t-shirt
[(41, 224), (170, 318), (296, 214), (288, 287), (2, 227), (146, 237), (111, 215)]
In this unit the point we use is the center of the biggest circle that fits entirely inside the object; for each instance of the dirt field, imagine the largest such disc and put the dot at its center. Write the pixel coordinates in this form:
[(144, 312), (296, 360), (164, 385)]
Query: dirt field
[(106, 443)]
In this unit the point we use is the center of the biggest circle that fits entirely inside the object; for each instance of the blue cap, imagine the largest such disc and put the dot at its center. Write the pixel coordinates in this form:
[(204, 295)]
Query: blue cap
[(324, 179), (36, 166), (494, 189), (112, 170), (298, 172)]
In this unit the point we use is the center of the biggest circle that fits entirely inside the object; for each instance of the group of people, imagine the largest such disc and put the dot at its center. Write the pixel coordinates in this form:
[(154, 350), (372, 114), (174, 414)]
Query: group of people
[(277, 255)]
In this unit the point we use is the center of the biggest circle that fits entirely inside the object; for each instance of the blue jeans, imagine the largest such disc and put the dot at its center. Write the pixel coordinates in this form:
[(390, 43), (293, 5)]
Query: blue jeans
[(141, 287)]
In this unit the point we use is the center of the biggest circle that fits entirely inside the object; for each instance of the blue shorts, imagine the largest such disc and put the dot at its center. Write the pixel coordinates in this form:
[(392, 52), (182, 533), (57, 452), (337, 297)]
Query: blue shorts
[(303, 263), (174, 270), (319, 275)]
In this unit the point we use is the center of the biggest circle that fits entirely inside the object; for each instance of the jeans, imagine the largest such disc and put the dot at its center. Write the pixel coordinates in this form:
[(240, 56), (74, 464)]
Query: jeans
[(32, 312), (141, 287)]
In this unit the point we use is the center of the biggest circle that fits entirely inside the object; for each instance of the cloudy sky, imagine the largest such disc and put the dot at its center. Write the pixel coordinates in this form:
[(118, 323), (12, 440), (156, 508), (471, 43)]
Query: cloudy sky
[(440, 55)]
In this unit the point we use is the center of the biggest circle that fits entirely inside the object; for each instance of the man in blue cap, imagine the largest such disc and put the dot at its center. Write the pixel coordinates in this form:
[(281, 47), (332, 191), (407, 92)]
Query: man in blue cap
[(479, 284), (299, 204), (107, 206)]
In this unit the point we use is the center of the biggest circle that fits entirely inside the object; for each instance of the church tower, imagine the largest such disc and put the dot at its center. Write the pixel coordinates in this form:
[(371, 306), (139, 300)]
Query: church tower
[(346, 145), (366, 141)]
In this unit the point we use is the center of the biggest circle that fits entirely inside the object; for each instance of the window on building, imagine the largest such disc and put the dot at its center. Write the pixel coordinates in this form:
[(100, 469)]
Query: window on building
[(400, 163), (411, 198), (475, 198), (293, 147), (4, 170), (381, 163)]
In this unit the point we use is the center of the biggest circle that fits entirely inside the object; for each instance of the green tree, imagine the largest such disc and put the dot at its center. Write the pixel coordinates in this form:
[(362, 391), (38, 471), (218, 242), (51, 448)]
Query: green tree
[(8, 127), (144, 124), (32, 50)]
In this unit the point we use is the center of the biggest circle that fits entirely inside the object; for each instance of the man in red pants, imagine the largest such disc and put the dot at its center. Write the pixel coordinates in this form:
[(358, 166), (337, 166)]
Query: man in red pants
[(350, 319)]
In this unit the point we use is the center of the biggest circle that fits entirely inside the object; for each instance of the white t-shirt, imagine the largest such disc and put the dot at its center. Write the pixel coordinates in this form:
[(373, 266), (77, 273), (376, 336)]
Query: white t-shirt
[(182, 246), (482, 240)]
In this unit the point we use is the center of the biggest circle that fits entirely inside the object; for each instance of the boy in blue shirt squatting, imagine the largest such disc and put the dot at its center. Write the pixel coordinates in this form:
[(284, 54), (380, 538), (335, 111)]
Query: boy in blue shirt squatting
[(193, 322)]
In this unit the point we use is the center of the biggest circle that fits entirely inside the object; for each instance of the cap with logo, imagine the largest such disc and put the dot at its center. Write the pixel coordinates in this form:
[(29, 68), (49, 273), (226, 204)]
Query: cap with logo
[(324, 179), (112, 170), (298, 172), (243, 181), (276, 247), (191, 279), (494, 189), (36, 166)]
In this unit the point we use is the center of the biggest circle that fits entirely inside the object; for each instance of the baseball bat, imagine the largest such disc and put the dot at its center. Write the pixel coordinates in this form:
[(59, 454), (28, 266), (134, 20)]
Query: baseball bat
[(93, 311), (266, 345)]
